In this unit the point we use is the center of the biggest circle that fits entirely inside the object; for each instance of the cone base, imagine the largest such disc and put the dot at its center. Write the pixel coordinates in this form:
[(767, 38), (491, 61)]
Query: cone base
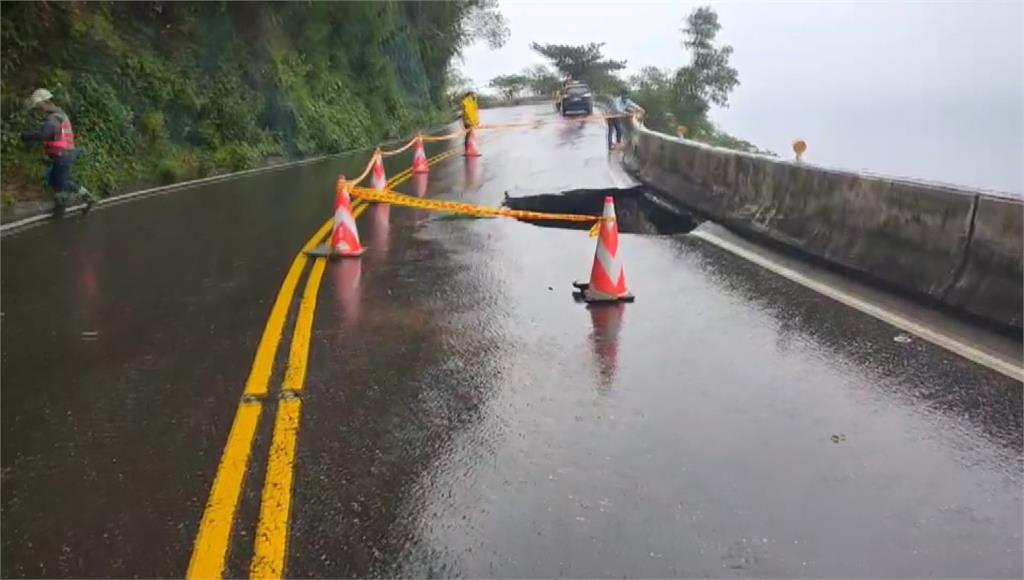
[(326, 251), (585, 294)]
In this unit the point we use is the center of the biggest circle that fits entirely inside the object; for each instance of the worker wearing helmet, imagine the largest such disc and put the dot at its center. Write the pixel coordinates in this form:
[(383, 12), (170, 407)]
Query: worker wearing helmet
[(58, 140)]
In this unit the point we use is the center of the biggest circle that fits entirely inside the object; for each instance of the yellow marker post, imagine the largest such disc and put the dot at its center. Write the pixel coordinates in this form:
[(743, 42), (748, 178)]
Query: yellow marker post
[(799, 147)]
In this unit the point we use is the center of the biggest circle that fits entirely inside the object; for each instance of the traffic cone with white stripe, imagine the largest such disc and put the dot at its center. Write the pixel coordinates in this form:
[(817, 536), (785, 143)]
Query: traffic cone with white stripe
[(607, 277), (379, 180), (419, 157), (380, 212), (471, 148), (344, 236)]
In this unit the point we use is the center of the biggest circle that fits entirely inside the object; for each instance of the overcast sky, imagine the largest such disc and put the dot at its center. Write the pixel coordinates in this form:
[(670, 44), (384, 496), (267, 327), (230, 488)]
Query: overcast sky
[(922, 89)]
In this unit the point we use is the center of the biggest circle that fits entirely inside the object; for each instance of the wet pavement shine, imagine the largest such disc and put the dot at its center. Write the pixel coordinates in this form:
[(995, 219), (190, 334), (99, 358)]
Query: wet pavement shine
[(463, 416)]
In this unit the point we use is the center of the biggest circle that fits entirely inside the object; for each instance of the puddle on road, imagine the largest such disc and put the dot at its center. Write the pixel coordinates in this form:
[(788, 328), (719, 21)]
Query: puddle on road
[(636, 209)]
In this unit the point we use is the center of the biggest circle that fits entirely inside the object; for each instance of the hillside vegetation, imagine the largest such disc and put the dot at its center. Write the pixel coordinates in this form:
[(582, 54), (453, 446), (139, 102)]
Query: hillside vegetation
[(166, 91)]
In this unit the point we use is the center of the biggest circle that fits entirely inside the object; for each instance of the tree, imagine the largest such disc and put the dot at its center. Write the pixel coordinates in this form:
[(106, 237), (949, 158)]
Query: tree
[(541, 79), (510, 85), (708, 77), (652, 88), (685, 96), (485, 22), (585, 62), (443, 29), (649, 77)]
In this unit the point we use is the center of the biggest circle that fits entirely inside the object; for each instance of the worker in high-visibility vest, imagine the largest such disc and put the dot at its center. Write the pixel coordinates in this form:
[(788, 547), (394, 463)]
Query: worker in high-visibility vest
[(58, 140), (470, 113)]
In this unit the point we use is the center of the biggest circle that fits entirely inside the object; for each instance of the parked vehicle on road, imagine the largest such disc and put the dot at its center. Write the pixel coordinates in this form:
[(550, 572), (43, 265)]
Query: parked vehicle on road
[(577, 98)]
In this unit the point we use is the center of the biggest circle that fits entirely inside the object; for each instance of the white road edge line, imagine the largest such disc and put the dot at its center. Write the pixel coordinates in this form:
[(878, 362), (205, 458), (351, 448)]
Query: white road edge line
[(949, 343), (932, 336)]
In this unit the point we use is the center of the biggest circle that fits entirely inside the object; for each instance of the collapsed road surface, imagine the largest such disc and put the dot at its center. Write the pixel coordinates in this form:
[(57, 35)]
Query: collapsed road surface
[(460, 414)]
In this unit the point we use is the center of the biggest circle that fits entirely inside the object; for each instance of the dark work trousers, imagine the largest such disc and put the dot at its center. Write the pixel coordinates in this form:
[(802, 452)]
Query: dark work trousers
[(65, 191), (616, 126), (59, 177)]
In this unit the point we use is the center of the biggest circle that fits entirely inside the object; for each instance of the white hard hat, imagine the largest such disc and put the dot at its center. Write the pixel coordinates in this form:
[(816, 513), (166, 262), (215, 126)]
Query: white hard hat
[(38, 96)]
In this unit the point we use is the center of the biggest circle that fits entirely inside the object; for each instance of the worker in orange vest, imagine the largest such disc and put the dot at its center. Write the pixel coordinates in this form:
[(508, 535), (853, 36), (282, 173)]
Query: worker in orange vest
[(58, 141)]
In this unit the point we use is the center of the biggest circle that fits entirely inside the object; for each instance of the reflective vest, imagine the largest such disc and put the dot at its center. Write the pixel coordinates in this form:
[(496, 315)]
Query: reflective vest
[(470, 114), (64, 140)]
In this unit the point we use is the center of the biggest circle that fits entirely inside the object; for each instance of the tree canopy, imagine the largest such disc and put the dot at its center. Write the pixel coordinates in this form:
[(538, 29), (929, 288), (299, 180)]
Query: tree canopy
[(510, 86), (708, 77), (685, 96), (583, 62), (541, 79)]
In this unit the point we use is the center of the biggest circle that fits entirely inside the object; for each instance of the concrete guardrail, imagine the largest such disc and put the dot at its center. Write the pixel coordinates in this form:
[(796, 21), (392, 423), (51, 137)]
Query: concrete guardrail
[(958, 247)]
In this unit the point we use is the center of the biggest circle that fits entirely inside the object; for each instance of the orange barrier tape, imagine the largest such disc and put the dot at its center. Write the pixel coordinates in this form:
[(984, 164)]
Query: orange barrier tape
[(397, 151), (537, 123), (369, 167), (395, 198), (597, 118), (541, 122), (455, 135), (447, 137)]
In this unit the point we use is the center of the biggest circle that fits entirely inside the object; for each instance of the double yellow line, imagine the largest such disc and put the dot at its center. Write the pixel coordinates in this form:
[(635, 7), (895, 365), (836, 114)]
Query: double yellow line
[(210, 551)]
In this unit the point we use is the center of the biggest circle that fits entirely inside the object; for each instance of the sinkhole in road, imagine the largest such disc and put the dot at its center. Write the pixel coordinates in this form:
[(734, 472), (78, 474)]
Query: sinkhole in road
[(637, 210)]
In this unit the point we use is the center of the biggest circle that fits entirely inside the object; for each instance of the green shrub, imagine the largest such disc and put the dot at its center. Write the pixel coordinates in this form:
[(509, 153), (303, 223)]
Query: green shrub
[(171, 171), (153, 127), (163, 91)]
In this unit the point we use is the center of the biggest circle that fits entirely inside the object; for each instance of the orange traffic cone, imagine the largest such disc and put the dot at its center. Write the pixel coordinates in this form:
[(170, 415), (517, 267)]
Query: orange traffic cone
[(471, 149), (419, 184), (607, 277), (345, 237), (379, 181), (419, 158)]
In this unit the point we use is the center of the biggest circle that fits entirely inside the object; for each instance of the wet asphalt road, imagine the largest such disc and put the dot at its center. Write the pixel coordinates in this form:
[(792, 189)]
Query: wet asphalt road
[(462, 416)]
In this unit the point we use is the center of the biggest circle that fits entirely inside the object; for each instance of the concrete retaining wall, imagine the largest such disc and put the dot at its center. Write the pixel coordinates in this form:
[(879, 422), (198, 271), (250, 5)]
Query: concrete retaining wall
[(959, 247)]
